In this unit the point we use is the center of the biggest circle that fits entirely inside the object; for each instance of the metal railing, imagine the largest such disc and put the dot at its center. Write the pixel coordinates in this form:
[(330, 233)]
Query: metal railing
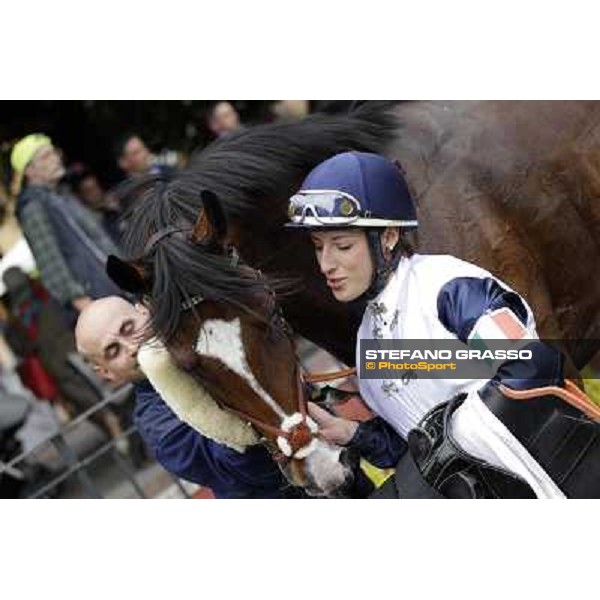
[(79, 467)]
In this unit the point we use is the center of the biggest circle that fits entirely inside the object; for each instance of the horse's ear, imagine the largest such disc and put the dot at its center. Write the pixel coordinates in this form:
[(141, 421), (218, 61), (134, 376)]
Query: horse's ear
[(211, 225), (128, 276)]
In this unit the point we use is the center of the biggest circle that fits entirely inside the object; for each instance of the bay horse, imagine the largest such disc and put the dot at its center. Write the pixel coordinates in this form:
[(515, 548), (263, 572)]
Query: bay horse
[(222, 327), (511, 186)]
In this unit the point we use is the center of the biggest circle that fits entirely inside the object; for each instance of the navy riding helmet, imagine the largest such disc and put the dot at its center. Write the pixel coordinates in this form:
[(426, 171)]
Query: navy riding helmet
[(356, 189), (353, 189)]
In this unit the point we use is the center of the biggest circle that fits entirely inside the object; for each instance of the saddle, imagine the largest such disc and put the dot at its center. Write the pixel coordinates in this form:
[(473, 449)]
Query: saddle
[(559, 427), (436, 467)]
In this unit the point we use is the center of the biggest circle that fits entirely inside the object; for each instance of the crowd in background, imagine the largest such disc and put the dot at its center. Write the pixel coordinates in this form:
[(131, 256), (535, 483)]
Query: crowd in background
[(71, 221), (59, 222)]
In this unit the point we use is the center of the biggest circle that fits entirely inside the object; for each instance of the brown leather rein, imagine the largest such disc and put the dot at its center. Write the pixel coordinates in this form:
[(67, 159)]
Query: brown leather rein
[(301, 434), (303, 379)]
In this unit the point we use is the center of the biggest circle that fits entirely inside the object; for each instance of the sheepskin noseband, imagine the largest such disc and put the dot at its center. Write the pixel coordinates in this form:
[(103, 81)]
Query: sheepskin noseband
[(191, 402)]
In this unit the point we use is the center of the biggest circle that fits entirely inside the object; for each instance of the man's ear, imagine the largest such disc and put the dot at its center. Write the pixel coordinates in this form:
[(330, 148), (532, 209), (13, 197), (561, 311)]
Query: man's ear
[(128, 276), (211, 226)]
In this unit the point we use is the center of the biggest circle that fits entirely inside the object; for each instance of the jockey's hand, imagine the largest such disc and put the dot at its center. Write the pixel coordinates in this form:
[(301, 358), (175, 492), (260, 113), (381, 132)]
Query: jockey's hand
[(333, 429)]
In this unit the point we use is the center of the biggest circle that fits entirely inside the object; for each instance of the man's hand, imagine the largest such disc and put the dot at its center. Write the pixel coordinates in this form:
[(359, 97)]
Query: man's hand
[(80, 303), (333, 429)]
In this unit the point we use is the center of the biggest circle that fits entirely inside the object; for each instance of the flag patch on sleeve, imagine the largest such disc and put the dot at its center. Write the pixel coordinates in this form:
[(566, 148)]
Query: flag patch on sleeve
[(501, 324)]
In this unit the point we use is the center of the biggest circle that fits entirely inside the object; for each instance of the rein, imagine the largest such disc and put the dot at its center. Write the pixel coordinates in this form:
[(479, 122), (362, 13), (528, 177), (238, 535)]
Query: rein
[(321, 377), (294, 436), (300, 434)]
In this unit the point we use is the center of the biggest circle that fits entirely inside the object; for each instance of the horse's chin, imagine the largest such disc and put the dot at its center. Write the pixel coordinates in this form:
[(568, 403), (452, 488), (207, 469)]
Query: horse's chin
[(326, 472)]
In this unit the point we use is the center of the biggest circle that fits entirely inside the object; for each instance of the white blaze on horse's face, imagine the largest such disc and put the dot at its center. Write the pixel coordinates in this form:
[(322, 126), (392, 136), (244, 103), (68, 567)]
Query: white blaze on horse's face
[(222, 340)]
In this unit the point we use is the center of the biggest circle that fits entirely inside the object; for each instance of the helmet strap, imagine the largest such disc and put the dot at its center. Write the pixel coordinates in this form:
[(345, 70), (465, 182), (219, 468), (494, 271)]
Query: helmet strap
[(382, 268)]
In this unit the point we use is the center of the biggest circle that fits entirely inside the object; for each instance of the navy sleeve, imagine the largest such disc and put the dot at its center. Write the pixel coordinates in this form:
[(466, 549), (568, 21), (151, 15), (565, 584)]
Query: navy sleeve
[(186, 453), (378, 442), (230, 474), (463, 300)]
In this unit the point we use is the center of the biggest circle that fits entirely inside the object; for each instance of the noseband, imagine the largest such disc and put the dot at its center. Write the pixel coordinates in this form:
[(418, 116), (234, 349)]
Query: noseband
[(297, 435)]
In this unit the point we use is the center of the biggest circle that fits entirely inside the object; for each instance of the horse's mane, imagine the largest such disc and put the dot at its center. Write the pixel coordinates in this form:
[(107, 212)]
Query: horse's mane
[(177, 270), (253, 173)]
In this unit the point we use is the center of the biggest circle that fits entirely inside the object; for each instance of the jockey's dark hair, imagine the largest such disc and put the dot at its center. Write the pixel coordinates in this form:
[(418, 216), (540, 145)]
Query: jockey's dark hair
[(383, 268), (408, 242)]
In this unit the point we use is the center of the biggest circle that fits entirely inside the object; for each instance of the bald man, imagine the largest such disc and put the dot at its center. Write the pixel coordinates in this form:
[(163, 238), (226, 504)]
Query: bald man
[(109, 333)]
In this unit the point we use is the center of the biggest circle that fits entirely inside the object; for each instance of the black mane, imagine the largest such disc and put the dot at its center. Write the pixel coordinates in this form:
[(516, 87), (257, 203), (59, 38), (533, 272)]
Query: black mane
[(256, 170), (253, 173), (177, 270)]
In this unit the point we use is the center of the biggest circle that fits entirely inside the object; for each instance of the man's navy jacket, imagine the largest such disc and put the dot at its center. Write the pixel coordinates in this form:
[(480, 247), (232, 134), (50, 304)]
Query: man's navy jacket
[(186, 453)]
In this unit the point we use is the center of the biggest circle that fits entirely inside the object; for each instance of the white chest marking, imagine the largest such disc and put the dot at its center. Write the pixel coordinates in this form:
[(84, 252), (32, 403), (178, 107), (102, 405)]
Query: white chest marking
[(222, 340)]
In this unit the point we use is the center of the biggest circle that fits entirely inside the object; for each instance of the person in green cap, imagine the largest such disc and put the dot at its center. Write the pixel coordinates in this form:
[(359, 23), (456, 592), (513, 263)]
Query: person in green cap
[(69, 246)]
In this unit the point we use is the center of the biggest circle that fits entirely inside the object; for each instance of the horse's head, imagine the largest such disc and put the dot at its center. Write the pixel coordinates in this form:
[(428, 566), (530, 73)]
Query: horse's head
[(221, 323)]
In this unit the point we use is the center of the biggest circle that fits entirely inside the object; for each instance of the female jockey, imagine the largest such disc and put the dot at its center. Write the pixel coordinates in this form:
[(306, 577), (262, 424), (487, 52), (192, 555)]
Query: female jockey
[(465, 437)]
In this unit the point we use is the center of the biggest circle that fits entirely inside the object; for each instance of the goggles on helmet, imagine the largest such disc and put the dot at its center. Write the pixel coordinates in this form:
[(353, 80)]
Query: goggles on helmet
[(315, 208), (327, 207)]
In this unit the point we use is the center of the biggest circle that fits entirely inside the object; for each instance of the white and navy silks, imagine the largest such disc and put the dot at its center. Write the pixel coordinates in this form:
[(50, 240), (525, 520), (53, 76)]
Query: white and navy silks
[(442, 297)]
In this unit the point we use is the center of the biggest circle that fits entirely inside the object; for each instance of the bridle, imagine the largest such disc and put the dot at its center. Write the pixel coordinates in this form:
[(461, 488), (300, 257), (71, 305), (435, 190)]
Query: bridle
[(297, 435)]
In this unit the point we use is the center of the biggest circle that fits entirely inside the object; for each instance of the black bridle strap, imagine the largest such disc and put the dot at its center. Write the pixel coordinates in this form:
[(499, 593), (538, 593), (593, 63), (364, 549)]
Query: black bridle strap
[(197, 299), (161, 234)]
